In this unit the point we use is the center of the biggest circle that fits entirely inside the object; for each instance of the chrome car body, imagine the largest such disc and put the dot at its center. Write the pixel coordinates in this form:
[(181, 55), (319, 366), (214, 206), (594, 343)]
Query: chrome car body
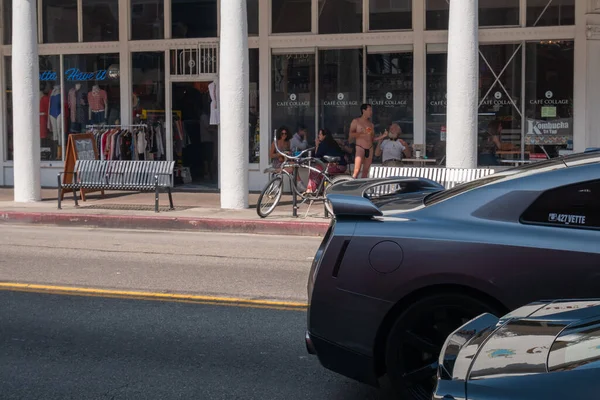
[(546, 349)]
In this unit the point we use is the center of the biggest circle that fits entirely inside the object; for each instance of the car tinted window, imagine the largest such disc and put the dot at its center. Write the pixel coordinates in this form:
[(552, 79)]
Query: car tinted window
[(575, 347), (513, 173), (573, 206)]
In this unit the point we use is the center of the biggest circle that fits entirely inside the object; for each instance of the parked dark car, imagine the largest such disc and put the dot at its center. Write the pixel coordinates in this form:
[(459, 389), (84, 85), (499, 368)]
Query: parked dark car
[(544, 350), (405, 262)]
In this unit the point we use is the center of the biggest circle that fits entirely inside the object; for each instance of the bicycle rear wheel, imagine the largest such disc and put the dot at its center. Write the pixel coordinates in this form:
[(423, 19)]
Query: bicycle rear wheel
[(270, 196), (328, 185)]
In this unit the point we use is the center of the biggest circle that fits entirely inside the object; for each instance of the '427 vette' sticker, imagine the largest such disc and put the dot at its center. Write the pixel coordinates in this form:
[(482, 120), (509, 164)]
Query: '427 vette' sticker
[(567, 219)]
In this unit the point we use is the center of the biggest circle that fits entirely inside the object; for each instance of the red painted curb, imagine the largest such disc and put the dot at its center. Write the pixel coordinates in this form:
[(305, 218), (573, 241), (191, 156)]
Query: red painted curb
[(168, 223)]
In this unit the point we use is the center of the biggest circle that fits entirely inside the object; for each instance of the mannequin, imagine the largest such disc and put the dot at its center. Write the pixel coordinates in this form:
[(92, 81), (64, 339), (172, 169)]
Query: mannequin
[(44, 106), (98, 102), (55, 119), (213, 89)]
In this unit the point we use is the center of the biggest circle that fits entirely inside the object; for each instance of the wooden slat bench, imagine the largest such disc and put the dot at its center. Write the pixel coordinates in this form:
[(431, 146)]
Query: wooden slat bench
[(448, 177), (141, 176)]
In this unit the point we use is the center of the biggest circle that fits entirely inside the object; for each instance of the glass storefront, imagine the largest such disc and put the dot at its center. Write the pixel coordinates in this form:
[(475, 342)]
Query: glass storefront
[(340, 16), (549, 98), (148, 82), (492, 13), (254, 105), (59, 21), (390, 90), (545, 129), (291, 16), (550, 13), (390, 15), (147, 19), (100, 20), (54, 120), (293, 83), (340, 89), (193, 19), (92, 82)]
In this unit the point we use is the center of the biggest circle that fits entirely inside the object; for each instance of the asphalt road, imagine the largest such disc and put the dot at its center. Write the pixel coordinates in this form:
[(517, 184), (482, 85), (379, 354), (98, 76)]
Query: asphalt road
[(74, 347), (248, 266), (55, 346)]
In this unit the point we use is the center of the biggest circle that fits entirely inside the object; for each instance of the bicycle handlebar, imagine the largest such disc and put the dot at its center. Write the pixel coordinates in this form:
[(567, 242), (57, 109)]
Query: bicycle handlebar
[(299, 156)]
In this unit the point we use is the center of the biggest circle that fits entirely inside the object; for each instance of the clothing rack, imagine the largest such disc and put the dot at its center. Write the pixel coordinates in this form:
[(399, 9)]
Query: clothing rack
[(101, 126)]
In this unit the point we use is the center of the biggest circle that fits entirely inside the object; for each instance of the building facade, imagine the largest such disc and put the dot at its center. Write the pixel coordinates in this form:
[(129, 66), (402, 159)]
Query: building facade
[(311, 63)]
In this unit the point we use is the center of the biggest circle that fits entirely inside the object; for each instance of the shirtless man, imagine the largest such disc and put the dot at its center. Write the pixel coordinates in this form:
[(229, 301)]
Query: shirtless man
[(361, 131)]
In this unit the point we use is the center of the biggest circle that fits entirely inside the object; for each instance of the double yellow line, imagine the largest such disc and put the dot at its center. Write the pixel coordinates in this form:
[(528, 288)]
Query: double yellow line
[(143, 295)]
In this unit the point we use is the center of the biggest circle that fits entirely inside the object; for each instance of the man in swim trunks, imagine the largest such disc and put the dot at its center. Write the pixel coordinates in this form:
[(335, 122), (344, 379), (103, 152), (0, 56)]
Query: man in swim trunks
[(362, 132)]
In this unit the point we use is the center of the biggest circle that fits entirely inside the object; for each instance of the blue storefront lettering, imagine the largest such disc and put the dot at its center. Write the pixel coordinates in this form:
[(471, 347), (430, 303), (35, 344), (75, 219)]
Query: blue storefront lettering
[(74, 74)]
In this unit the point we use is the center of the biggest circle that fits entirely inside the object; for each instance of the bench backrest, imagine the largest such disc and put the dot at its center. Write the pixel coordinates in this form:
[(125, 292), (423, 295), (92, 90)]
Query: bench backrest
[(448, 177), (125, 173)]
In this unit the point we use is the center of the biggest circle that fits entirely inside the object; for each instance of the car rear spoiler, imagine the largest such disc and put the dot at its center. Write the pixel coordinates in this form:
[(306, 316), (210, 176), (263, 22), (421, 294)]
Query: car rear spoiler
[(352, 198)]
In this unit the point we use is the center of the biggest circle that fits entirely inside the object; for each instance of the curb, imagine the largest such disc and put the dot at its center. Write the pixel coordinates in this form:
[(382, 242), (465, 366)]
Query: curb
[(167, 223)]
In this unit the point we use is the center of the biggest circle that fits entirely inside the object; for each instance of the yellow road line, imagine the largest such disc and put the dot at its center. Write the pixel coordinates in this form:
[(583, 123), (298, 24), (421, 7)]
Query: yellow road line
[(143, 295)]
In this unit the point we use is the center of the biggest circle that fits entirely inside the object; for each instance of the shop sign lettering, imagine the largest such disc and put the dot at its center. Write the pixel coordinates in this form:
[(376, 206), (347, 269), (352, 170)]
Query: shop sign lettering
[(548, 102), (74, 74), (495, 102), (437, 103), (293, 104), (554, 127), (47, 76), (340, 103)]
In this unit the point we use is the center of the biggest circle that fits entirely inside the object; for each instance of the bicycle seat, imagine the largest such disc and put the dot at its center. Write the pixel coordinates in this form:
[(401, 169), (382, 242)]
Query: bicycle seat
[(330, 159)]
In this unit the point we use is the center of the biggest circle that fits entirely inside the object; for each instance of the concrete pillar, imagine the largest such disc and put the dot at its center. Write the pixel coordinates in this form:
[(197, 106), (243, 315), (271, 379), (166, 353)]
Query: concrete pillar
[(463, 75), (26, 102), (233, 105)]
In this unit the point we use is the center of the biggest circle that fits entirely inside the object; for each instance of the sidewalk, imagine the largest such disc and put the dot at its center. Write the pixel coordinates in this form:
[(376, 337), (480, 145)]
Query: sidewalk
[(194, 211)]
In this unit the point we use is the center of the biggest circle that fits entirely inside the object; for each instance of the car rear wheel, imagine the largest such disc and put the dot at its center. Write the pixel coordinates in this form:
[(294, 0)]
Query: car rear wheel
[(416, 338)]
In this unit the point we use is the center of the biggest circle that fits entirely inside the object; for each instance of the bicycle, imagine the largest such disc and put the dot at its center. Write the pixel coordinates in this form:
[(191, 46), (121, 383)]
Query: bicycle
[(274, 188)]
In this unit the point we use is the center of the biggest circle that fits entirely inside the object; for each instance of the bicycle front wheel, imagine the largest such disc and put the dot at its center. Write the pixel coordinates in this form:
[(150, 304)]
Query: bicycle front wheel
[(329, 184), (269, 197)]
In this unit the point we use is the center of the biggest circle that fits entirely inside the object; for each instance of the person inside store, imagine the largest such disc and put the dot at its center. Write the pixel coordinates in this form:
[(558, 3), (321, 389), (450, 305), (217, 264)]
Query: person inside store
[(326, 146), (283, 144), (490, 144), (363, 135), (392, 149), (298, 141)]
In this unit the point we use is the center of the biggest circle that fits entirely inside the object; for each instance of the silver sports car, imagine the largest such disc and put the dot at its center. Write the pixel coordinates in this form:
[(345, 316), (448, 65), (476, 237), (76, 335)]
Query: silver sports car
[(544, 350), (405, 262)]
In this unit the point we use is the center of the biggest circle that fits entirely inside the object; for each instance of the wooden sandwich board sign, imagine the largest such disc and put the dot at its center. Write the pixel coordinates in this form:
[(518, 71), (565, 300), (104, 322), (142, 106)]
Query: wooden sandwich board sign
[(81, 146)]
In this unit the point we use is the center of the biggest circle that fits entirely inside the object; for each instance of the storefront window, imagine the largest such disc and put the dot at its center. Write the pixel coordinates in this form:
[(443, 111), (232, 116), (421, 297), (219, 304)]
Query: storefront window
[(92, 83), (147, 19), (340, 89), (8, 118), (53, 119), (7, 13), (500, 102), (390, 14), (549, 98), (491, 13), (254, 104), (436, 81), (60, 21), (293, 92), (390, 91), (252, 10), (340, 16), (550, 12), (194, 19), (148, 80), (290, 16), (100, 20)]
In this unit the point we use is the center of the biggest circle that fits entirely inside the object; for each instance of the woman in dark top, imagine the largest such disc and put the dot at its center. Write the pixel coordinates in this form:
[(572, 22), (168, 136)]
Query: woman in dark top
[(326, 146)]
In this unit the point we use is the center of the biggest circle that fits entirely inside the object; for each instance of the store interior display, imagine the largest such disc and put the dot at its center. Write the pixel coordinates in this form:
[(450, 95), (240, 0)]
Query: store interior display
[(129, 142)]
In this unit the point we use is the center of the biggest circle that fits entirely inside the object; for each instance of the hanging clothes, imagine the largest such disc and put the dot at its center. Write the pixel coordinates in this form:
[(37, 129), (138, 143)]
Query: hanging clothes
[(213, 89)]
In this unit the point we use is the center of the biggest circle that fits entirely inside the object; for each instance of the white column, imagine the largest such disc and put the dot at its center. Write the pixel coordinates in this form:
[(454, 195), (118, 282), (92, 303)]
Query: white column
[(233, 105), (26, 102), (463, 75)]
